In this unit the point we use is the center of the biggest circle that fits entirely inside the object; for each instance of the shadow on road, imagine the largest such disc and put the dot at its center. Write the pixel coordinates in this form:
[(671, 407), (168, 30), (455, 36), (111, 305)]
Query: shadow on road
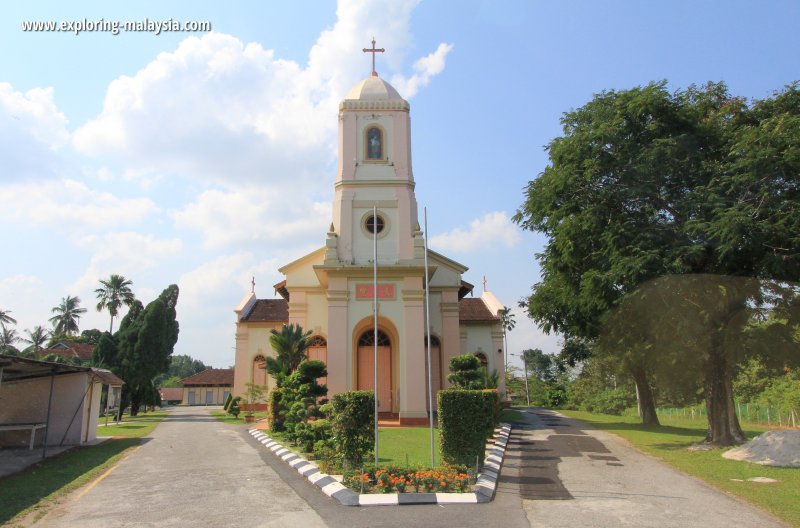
[(531, 461)]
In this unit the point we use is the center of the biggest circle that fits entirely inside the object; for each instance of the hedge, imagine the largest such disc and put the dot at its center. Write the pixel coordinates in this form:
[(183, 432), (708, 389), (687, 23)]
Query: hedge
[(466, 419), (352, 425)]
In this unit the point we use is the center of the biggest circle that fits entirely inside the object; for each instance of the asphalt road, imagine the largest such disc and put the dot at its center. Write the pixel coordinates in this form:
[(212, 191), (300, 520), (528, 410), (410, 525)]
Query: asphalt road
[(569, 475), (196, 471)]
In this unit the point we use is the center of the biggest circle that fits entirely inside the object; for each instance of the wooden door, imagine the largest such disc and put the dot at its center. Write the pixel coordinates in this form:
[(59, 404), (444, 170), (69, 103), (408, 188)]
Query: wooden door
[(319, 353), (366, 374)]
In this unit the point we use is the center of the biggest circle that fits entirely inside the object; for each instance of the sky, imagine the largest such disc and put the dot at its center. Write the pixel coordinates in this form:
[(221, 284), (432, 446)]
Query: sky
[(207, 158)]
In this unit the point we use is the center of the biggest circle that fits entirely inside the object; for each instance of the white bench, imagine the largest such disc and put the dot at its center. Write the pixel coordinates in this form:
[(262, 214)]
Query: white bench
[(32, 427)]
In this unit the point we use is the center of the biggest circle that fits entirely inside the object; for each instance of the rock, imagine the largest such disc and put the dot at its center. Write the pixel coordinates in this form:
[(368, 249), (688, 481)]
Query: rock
[(773, 448)]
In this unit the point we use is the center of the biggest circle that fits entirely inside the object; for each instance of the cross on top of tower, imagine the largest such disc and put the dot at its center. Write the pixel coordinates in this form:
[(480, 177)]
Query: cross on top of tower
[(373, 50)]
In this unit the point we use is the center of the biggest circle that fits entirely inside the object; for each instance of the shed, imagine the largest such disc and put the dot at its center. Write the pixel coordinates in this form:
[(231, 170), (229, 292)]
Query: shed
[(49, 404)]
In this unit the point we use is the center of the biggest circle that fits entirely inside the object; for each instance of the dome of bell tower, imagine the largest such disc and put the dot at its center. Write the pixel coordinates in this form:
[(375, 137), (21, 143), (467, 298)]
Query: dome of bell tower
[(373, 88)]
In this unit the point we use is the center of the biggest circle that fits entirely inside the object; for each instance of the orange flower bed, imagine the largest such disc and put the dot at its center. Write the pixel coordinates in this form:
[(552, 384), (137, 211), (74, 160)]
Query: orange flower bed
[(404, 480)]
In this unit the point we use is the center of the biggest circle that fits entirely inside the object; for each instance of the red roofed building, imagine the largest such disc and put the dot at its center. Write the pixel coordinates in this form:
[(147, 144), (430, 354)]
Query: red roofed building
[(70, 350), (210, 387)]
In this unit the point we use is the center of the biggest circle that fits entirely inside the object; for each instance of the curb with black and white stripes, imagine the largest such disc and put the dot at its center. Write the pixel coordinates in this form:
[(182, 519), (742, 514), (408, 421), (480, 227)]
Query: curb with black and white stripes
[(485, 486)]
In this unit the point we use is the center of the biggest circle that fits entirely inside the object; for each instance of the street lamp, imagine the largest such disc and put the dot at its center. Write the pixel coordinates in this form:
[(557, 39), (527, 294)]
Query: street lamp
[(525, 365)]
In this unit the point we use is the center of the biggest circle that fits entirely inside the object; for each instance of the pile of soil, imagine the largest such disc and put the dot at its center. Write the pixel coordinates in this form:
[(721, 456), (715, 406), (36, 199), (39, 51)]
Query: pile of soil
[(773, 448)]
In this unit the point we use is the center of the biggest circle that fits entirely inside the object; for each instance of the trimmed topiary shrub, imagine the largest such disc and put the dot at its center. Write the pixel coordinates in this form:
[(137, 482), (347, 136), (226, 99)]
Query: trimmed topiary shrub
[(277, 413), (352, 425), (466, 420), (233, 408)]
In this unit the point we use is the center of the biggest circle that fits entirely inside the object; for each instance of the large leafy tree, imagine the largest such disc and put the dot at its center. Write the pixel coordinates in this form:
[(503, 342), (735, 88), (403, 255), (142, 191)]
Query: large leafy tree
[(67, 315), (113, 293), (180, 366), (290, 344), (141, 349), (646, 183)]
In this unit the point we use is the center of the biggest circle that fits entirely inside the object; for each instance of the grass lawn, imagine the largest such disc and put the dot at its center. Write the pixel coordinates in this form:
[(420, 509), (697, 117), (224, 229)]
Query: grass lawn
[(669, 443), (223, 416), (38, 487), (398, 444)]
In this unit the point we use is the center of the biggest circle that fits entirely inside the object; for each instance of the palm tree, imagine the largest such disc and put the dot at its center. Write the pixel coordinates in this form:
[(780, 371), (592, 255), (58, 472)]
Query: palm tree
[(290, 345), (115, 292), (36, 338), (8, 336), (508, 323), (68, 313), (5, 318)]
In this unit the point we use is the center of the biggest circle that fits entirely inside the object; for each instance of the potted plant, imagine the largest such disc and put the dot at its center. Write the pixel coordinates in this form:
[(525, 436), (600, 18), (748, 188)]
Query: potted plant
[(253, 395)]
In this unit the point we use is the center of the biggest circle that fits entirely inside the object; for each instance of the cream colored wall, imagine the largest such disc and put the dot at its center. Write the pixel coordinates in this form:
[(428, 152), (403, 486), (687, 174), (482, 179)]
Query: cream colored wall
[(26, 401), (200, 394), (252, 340), (486, 338)]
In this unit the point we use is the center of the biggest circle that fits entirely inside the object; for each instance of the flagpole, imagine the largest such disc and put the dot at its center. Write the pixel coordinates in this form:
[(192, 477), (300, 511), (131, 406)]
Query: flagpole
[(375, 315), (428, 340)]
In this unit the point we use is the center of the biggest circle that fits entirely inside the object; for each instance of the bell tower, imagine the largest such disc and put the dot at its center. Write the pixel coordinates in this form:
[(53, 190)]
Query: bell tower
[(374, 170)]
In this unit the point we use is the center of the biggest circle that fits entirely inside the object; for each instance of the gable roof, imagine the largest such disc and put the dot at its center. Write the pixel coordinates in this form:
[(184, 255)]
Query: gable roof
[(268, 311), (171, 393), (68, 349), (210, 377), (472, 310)]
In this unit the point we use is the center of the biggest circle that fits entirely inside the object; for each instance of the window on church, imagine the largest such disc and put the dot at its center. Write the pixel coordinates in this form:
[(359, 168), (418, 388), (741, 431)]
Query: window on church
[(368, 338), (375, 224), (318, 341), (374, 144)]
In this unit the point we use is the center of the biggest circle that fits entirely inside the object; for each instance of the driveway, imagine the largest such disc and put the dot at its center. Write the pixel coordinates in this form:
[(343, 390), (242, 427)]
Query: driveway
[(193, 471), (569, 475)]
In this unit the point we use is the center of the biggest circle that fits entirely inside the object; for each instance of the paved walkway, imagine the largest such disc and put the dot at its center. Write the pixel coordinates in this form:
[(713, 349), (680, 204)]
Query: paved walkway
[(194, 471), (569, 475)]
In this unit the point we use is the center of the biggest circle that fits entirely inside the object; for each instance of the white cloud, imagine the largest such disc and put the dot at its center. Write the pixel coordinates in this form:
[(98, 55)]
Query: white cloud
[(425, 69), (255, 216), (219, 110), (69, 205), (32, 129), (125, 253), (493, 230)]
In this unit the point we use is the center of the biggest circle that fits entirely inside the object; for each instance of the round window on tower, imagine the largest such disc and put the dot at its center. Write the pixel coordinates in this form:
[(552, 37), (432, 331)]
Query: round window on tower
[(375, 224)]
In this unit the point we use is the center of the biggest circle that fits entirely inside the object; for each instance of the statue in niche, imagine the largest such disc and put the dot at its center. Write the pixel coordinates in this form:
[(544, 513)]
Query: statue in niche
[(374, 144)]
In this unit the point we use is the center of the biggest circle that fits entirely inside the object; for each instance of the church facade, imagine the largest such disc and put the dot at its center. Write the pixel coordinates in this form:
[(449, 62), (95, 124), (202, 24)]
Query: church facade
[(330, 291)]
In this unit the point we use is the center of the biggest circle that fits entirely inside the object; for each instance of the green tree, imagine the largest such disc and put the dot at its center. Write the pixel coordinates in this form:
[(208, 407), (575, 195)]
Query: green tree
[(36, 338), (8, 336), (5, 318), (645, 183), (180, 366), (140, 350), (68, 314), (113, 293), (91, 336), (508, 323), (466, 372), (290, 345)]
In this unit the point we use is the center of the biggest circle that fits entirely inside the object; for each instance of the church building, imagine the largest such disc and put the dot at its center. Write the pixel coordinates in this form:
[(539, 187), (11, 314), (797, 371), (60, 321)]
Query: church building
[(330, 291)]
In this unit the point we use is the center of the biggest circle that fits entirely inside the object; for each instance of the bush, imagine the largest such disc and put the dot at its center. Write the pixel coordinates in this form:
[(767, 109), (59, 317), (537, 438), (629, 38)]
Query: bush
[(466, 372), (233, 408), (277, 414), (300, 399), (352, 425), (466, 420)]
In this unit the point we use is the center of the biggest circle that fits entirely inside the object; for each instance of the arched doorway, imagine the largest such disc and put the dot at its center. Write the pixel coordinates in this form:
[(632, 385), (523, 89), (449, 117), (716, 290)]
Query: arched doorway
[(318, 350), (259, 376), (436, 369), (366, 366)]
